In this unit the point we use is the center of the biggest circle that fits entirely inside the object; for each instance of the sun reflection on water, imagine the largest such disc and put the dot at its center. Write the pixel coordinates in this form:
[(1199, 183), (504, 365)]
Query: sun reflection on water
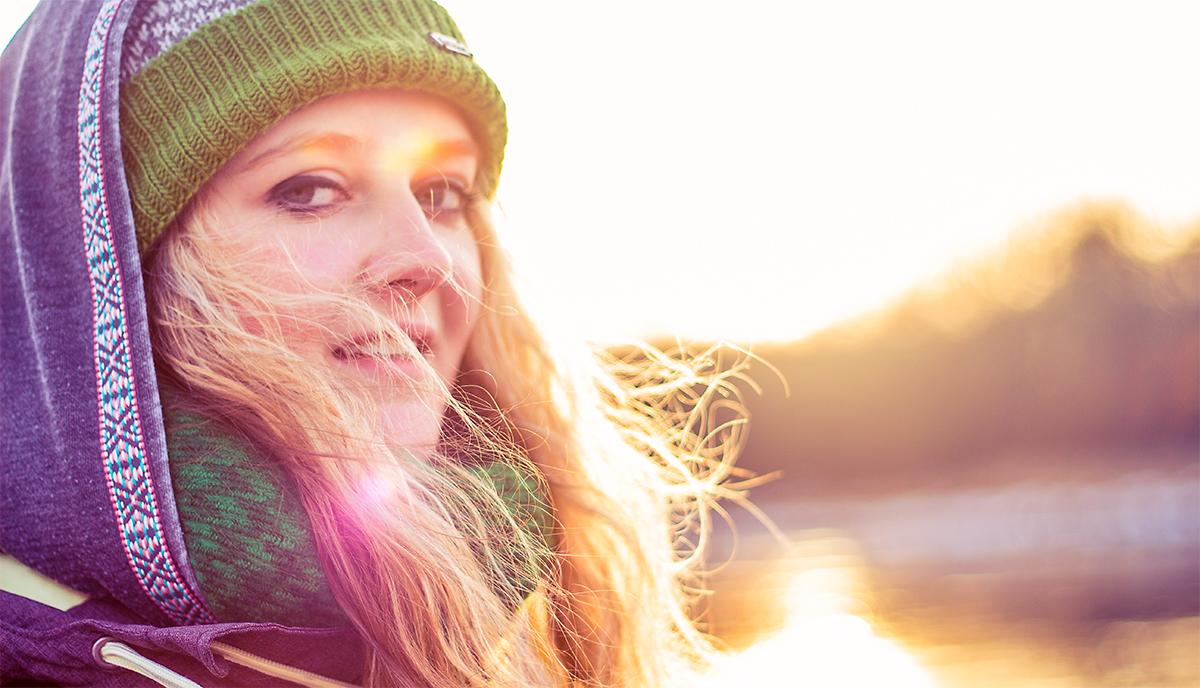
[(828, 639)]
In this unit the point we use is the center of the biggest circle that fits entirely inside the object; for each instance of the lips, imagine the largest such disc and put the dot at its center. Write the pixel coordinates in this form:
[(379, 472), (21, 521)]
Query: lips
[(380, 353)]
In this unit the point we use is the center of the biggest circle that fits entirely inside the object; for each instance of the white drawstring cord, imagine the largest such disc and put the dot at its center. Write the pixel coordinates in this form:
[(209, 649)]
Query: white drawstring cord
[(276, 669), (116, 653)]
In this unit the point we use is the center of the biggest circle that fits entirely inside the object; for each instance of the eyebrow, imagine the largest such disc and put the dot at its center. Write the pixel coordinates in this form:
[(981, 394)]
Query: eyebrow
[(439, 150), (455, 148), (327, 140)]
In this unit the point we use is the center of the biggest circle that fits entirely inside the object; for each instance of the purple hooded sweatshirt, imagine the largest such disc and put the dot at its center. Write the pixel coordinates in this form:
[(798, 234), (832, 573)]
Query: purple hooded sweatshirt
[(86, 496)]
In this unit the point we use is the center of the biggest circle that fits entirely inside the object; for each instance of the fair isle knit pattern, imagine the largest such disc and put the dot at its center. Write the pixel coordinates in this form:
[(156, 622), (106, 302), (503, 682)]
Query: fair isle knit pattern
[(130, 481), (248, 536), (156, 25), (252, 545)]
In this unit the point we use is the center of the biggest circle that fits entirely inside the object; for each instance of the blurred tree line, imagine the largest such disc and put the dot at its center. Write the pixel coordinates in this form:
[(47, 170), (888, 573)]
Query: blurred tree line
[(1073, 352)]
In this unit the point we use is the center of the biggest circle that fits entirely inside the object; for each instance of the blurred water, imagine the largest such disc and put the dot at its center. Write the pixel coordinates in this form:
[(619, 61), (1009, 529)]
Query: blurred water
[(1056, 585), (1148, 510)]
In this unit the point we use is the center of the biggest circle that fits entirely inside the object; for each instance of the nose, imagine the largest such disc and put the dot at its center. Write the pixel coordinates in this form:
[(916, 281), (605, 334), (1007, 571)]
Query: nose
[(408, 255)]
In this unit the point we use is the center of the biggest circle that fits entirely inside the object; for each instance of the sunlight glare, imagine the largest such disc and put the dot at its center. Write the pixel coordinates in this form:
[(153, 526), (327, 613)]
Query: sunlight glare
[(826, 642), (816, 169), (835, 651)]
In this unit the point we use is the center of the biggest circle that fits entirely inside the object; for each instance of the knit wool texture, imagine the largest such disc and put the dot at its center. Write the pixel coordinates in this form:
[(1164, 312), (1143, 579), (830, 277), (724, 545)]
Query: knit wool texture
[(251, 543), (249, 539), (192, 107)]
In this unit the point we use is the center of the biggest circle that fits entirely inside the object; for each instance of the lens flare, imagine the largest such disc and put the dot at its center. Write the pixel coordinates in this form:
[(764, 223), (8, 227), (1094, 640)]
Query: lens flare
[(376, 491), (401, 152)]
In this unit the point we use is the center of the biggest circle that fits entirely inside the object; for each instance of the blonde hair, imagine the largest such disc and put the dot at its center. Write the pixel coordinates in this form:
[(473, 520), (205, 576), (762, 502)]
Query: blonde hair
[(632, 455)]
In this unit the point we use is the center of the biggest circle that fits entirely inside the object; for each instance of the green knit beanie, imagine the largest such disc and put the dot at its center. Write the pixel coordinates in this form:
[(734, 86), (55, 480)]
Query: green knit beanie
[(201, 78)]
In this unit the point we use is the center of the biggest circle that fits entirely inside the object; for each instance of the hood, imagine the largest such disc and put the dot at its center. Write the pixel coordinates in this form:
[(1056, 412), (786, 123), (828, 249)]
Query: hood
[(86, 496)]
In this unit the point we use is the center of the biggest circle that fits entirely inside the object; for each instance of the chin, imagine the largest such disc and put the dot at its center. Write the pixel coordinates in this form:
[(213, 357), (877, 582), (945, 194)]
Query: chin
[(411, 424)]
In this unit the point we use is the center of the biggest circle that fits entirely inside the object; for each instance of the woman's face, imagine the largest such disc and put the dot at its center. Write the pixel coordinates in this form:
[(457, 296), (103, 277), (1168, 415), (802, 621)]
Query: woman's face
[(364, 194)]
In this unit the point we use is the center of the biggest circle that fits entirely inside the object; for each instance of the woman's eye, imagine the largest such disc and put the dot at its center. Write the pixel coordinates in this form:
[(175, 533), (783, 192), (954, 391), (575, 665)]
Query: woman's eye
[(307, 194), (442, 196)]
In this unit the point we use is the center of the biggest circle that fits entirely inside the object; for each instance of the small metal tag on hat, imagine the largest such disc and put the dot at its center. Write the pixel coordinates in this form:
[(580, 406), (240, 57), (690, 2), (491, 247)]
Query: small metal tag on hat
[(450, 44)]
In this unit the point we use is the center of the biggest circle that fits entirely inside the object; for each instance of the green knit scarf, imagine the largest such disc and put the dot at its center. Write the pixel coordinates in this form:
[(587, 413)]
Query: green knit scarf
[(251, 543)]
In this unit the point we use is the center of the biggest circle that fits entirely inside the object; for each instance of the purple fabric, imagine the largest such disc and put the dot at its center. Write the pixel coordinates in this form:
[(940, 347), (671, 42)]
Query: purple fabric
[(56, 510), (45, 644), (61, 486)]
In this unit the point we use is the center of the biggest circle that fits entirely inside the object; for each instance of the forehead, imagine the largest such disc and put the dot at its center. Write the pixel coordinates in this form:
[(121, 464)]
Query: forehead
[(387, 121)]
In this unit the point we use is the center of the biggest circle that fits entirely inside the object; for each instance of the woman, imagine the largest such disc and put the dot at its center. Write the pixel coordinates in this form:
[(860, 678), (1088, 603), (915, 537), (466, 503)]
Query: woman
[(316, 426)]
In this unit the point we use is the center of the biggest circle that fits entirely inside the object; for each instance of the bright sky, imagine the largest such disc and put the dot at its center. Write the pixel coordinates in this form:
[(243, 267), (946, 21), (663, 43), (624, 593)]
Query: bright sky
[(760, 170)]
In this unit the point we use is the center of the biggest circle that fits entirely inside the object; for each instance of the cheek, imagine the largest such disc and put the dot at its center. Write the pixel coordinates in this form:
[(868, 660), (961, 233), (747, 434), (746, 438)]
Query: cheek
[(304, 267), (473, 281), (461, 304), (288, 257), (468, 276), (288, 283)]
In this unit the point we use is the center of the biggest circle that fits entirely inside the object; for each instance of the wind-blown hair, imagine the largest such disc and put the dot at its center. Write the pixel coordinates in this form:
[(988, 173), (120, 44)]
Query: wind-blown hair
[(631, 456)]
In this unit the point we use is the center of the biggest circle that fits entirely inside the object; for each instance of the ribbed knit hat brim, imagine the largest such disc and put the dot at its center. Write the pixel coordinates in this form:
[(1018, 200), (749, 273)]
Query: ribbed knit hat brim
[(190, 109)]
